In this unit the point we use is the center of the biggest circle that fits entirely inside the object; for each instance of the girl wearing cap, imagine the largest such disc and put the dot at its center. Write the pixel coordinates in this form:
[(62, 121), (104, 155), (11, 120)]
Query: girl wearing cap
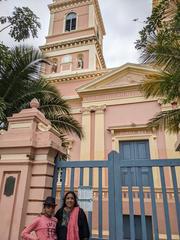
[(44, 226), (72, 222)]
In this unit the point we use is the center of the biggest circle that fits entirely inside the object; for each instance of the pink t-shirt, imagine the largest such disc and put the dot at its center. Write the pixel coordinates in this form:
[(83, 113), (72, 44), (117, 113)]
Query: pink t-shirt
[(44, 227)]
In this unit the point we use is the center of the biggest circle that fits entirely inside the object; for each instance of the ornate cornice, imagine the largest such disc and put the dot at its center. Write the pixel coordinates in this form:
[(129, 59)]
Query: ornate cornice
[(126, 127), (67, 44), (108, 95), (93, 108), (75, 43), (100, 109), (72, 77), (64, 4)]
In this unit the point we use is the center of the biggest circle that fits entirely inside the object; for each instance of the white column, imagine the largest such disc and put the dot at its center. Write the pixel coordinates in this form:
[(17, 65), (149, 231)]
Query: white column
[(92, 58), (86, 141), (50, 32), (99, 148), (91, 16), (99, 141)]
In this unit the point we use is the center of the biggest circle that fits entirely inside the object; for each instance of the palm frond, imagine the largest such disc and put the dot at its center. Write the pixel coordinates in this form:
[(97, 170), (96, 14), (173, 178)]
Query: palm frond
[(160, 47), (20, 82), (163, 85), (2, 110), (162, 50), (169, 120), (48, 96), (66, 123), (22, 67), (172, 9)]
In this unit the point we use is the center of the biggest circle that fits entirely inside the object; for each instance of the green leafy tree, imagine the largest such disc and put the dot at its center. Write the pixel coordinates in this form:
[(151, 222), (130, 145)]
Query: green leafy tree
[(20, 82), (159, 45), (22, 24)]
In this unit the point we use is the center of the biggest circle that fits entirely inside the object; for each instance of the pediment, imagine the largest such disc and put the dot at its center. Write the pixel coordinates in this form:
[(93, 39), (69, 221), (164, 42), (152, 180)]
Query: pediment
[(125, 79), (125, 76)]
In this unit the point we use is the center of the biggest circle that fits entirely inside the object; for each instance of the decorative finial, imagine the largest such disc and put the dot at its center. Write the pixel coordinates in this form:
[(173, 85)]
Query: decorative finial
[(34, 103)]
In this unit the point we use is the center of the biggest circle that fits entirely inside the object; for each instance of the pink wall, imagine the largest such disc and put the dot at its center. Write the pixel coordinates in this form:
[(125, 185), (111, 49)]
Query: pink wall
[(138, 113), (161, 144), (68, 88), (82, 19), (69, 35), (75, 103), (14, 203), (118, 115)]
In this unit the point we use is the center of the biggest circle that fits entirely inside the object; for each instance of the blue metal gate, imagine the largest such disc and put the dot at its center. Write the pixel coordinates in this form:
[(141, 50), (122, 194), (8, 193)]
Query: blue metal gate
[(126, 204)]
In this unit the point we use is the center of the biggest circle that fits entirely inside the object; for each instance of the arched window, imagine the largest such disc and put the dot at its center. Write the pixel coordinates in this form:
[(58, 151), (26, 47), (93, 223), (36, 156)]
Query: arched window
[(70, 22)]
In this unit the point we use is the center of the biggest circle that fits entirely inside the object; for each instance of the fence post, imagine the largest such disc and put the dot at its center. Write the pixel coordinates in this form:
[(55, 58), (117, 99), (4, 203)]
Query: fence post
[(112, 223), (55, 176), (118, 197)]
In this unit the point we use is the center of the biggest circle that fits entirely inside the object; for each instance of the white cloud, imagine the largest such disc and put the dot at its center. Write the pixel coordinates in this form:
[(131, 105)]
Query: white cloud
[(121, 30)]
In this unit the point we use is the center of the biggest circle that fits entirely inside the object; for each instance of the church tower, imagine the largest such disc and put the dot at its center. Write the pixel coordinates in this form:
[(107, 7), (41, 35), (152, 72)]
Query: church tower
[(75, 40)]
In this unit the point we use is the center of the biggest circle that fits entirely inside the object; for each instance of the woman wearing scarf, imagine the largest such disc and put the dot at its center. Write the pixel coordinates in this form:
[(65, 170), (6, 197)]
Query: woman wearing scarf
[(72, 222)]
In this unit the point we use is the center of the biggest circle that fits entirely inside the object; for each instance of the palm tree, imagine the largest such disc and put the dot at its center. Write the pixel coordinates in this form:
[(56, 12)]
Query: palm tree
[(20, 82), (160, 47)]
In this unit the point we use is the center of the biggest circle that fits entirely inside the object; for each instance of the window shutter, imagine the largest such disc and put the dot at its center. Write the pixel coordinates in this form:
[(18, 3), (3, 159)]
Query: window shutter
[(73, 27), (68, 25)]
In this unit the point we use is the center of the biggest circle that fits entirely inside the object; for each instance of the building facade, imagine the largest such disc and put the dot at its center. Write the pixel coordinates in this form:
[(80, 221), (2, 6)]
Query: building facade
[(107, 102)]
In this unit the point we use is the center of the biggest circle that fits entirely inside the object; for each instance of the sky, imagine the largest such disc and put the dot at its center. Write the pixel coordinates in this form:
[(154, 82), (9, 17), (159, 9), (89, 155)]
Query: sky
[(118, 15)]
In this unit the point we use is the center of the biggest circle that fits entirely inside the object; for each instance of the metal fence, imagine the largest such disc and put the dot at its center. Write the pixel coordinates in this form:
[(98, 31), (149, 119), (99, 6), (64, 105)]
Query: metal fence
[(124, 209)]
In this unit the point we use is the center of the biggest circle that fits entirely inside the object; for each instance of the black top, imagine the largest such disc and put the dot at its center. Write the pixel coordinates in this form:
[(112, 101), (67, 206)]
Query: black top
[(61, 228)]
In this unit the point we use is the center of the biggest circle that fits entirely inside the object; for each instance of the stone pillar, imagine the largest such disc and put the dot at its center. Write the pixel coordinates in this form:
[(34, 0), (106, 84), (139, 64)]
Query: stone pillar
[(85, 151), (99, 147), (86, 141), (99, 141), (27, 152)]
